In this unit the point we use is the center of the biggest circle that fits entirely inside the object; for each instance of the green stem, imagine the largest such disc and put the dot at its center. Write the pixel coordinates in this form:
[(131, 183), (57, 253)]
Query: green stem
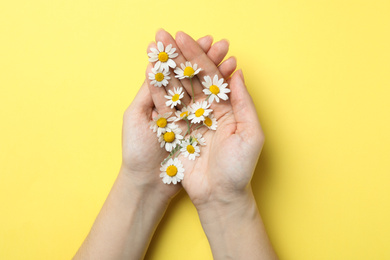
[(208, 97), (177, 154), (199, 126), (188, 126), (172, 153)]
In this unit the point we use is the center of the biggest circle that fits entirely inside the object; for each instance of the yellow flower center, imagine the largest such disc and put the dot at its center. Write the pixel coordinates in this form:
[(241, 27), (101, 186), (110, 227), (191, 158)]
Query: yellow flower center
[(214, 89), (175, 97), (183, 114), (162, 122), (208, 122), (188, 72), (169, 137), (163, 56), (190, 149), (171, 170), (199, 112), (159, 76)]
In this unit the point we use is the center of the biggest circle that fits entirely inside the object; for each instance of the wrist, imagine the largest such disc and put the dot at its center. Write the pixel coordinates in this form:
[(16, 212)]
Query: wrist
[(227, 207), (140, 190)]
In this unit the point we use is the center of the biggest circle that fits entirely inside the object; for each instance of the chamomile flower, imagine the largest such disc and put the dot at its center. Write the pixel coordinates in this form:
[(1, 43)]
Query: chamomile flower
[(181, 114), (174, 97), (215, 88), (187, 70), (199, 111), (199, 138), (163, 57), (160, 123), (172, 171), (190, 150), (170, 138), (210, 122), (159, 77)]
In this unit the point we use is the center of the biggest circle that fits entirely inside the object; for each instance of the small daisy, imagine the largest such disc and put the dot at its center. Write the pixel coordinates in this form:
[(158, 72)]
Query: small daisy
[(181, 114), (199, 111), (215, 88), (159, 77), (199, 138), (163, 57), (187, 70), (190, 150), (170, 138), (172, 171), (160, 123), (211, 122), (174, 97)]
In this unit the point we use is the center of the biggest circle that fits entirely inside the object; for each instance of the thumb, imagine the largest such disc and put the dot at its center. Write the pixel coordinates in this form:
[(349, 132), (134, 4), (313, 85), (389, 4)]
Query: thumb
[(248, 125), (143, 102)]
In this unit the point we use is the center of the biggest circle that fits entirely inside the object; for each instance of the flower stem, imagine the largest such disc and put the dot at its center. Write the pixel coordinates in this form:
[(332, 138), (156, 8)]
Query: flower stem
[(208, 97), (172, 153), (188, 126), (193, 94), (199, 126), (177, 154)]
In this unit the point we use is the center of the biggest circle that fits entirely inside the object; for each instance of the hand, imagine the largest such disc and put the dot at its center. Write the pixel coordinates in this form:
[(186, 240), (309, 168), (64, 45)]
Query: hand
[(217, 182), (142, 154), (226, 164)]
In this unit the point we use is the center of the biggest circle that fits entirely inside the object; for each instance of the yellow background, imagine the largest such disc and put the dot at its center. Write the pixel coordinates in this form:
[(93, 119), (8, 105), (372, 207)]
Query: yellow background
[(318, 72)]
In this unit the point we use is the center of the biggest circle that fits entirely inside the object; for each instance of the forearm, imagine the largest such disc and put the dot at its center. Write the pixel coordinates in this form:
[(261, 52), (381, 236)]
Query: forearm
[(125, 224), (235, 230)]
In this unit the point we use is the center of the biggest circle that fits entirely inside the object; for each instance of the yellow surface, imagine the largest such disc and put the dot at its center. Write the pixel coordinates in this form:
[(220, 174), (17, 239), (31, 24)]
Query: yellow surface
[(318, 72)]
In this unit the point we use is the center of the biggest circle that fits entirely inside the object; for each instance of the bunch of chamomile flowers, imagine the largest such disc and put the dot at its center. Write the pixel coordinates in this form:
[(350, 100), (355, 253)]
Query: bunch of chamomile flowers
[(197, 115)]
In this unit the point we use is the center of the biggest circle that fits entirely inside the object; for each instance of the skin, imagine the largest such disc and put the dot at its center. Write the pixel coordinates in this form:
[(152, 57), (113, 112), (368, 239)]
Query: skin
[(217, 182)]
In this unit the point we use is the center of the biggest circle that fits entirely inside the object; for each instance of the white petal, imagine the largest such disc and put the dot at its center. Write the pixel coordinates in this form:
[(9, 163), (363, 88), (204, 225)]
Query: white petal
[(160, 46), (171, 51), (168, 48), (223, 96), (171, 63), (220, 81), (153, 59), (174, 55), (215, 80), (224, 90), (224, 85), (157, 65), (207, 91), (211, 99)]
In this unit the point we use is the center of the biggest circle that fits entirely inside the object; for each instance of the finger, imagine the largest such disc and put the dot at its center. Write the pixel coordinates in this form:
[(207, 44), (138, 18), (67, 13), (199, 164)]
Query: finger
[(164, 37), (172, 83), (158, 94), (228, 67), (205, 42), (218, 51), (243, 107), (194, 53)]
